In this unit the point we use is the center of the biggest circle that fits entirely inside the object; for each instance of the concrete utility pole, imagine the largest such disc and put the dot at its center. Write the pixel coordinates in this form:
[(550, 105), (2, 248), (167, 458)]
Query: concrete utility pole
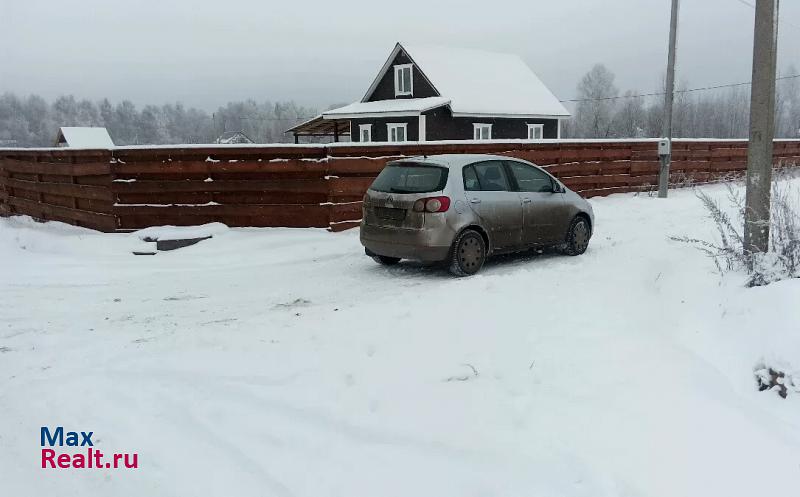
[(762, 128), (665, 151)]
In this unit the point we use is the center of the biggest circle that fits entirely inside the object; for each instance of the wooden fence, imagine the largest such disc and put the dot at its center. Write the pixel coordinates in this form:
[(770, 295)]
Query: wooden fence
[(129, 188)]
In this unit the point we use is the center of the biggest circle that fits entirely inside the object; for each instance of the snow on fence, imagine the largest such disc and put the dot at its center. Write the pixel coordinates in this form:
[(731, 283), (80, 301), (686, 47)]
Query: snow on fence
[(129, 188)]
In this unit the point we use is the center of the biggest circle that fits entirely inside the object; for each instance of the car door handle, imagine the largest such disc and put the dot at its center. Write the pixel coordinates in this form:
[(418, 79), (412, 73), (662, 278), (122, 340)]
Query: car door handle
[(475, 200), (526, 201)]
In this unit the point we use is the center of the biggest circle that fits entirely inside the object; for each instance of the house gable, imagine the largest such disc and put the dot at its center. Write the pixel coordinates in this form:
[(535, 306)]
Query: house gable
[(383, 86)]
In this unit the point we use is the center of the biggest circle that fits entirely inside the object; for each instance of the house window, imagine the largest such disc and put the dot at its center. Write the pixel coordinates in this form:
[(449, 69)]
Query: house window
[(365, 132), (403, 80), (535, 131), (482, 131), (397, 132)]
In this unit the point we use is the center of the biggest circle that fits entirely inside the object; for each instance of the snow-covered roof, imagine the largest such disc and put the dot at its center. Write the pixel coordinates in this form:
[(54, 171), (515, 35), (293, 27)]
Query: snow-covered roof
[(386, 107), (481, 82), (84, 137), (233, 137)]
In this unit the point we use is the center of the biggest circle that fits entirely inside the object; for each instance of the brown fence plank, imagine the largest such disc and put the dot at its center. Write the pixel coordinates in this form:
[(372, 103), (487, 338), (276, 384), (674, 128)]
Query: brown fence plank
[(346, 225), (294, 215), (150, 186), (178, 167), (349, 186), (68, 189), (270, 166), (641, 167), (102, 222), (689, 165), (221, 210), (99, 180), (574, 169), (92, 205), (356, 165), (234, 197), (217, 152), (84, 169), (166, 168), (345, 212), (601, 192)]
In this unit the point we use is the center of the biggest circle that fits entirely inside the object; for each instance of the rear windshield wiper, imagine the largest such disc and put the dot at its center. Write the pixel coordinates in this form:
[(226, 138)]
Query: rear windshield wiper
[(401, 190)]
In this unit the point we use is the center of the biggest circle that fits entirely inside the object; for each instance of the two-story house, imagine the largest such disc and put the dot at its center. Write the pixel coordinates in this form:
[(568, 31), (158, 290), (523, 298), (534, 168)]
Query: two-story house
[(434, 93)]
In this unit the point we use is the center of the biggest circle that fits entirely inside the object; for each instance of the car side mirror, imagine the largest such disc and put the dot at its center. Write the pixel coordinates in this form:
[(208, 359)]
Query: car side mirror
[(558, 188)]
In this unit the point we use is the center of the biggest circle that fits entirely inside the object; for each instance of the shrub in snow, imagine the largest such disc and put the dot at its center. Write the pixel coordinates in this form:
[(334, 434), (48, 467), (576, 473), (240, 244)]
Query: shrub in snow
[(777, 380), (783, 259)]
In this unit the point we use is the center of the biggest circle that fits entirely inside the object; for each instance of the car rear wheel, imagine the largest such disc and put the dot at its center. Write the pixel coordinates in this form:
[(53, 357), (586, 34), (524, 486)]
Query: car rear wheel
[(578, 236), (468, 253), (385, 260)]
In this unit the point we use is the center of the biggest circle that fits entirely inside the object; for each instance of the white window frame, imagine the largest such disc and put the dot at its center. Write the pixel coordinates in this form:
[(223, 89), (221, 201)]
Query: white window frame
[(477, 131), (532, 131), (391, 126), (361, 129), (397, 72)]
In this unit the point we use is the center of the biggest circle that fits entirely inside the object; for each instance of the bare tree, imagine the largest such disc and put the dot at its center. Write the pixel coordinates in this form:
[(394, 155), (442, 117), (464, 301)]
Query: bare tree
[(594, 113), (630, 118)]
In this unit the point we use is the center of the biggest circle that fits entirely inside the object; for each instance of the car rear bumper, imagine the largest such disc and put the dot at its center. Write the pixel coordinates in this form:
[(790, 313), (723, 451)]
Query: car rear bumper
[(416, 244)]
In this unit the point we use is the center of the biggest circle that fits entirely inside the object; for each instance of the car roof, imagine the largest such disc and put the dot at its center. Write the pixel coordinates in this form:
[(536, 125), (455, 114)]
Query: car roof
[(454, 160)]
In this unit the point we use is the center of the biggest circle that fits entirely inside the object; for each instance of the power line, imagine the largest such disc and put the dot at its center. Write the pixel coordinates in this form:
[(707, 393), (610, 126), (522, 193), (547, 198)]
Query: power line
[(661, 93), (781, 21)]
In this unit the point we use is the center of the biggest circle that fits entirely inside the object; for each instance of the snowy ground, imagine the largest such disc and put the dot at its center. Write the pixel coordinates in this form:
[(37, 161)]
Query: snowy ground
[(286, 363)]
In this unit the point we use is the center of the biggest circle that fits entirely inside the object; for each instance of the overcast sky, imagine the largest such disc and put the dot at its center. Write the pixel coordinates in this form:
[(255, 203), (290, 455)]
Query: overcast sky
[(318, 52)]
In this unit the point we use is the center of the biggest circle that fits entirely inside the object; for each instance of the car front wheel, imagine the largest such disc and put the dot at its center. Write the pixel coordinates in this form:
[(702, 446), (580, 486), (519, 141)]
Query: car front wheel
[(578, 236), (468, 253)]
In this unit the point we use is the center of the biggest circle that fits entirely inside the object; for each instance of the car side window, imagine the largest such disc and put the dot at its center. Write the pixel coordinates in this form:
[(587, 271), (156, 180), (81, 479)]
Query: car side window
[(491, 176), (471, 183), (530, 179)]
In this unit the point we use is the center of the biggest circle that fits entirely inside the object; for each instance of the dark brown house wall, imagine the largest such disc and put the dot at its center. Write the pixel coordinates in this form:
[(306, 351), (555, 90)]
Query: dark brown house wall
[(380, 131), (441, 125), (385, 88)]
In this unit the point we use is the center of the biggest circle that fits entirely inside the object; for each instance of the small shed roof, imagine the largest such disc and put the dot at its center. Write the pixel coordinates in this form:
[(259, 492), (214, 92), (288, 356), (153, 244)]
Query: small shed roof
[(386, 107), (319, 126), (84, 137)]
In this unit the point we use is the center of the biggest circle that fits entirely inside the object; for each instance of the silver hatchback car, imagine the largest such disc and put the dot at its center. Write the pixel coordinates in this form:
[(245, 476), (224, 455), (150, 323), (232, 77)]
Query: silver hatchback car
[(461, 209)]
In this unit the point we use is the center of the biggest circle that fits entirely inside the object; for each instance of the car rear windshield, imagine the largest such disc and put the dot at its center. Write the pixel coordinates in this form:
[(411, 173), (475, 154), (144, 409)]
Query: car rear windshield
[(410, 178)]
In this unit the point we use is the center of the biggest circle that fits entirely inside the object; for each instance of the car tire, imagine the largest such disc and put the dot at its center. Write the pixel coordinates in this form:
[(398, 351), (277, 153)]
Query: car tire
[(578, 236), (386, 260), (468, 253)]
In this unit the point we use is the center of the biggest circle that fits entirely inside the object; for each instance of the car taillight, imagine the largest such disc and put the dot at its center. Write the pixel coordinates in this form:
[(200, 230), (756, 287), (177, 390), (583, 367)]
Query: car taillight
[(432, 204)]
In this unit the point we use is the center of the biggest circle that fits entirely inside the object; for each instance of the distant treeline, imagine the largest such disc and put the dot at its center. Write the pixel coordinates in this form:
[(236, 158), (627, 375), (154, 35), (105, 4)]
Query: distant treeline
[(601, 112), (719, 113), (33, 122)]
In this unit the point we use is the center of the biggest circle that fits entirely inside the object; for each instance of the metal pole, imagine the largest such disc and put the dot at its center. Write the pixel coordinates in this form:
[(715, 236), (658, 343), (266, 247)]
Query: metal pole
[(666, 130), (762, 128)]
